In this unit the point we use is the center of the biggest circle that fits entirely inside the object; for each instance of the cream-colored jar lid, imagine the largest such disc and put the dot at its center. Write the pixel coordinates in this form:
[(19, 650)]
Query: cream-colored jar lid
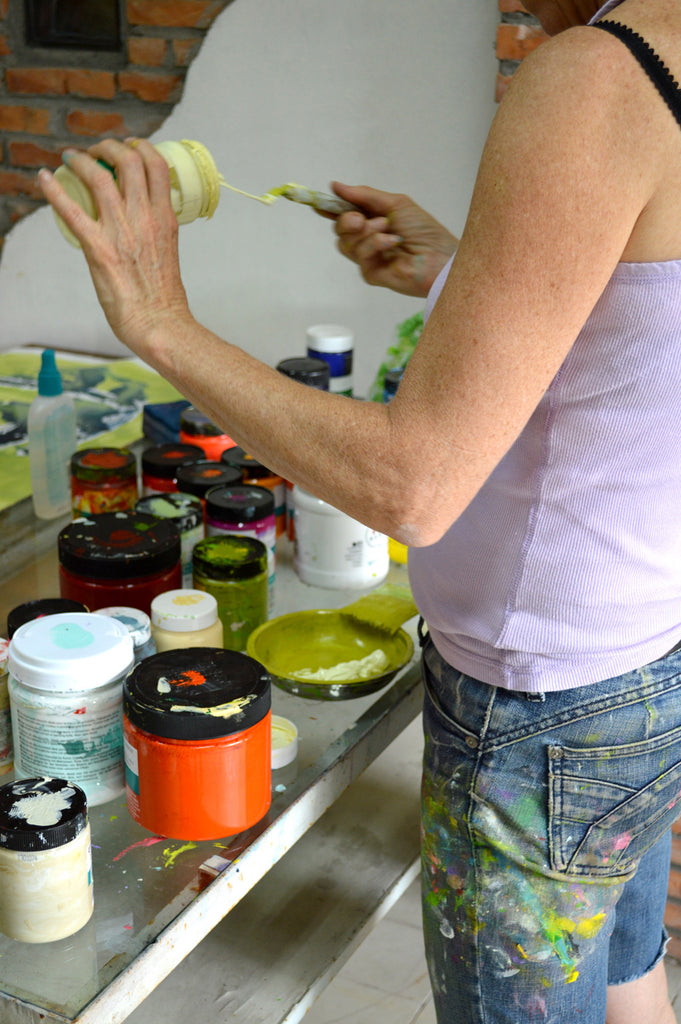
[(184, 611)]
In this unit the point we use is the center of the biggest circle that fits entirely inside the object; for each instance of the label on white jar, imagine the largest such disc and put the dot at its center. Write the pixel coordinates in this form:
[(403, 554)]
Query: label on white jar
[(332, 549), (83, 743)]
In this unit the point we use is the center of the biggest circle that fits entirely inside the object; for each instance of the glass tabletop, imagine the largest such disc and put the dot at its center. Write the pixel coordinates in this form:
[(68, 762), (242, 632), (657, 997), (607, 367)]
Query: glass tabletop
[(144, 883)]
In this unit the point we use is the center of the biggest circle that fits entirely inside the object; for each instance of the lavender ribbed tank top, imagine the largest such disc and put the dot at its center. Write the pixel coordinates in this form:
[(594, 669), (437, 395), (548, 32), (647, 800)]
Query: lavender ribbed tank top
[(565, 569)]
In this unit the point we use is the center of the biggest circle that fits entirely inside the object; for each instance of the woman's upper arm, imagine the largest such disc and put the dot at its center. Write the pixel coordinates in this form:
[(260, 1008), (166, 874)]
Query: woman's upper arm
[(559, 190)]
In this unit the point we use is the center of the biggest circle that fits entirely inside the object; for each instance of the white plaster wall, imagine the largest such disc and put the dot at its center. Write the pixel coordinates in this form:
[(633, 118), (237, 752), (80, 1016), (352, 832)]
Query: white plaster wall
[(390, 93)]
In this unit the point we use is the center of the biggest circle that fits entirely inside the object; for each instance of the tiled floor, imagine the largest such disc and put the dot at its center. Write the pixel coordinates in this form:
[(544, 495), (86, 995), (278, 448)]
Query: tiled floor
[(386, 981)]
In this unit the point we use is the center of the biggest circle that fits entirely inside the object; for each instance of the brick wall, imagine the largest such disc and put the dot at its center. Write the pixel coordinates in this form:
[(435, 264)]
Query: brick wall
[(53, 98), (518, 34)]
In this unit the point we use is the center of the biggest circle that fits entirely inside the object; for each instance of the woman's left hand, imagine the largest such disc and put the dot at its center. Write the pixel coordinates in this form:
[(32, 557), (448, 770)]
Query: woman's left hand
[(131, 249)]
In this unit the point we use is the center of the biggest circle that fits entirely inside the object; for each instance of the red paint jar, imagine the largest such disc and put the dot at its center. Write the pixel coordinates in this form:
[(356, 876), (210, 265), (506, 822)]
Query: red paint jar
[(103, 480), (119, 558), (198, 735), (195, 428), (161, 464), (253, 472)]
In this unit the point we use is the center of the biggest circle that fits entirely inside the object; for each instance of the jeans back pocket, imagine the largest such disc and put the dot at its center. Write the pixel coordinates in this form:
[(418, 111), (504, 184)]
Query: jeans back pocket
[(608, 805)]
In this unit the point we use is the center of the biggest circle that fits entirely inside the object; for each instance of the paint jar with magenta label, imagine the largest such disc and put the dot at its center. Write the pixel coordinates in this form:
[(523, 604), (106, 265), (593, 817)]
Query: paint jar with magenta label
[(198, 731), (233, 569), (185, 618), (161, 463), (253, 472), (186, 512), (6, 749), (103, 480), (247, 511), (195, 428), (119, 558), (65, 691), (45, 860)]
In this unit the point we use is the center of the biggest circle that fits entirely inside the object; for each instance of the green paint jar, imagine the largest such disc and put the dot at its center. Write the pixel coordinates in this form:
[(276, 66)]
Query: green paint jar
[(233, 569)]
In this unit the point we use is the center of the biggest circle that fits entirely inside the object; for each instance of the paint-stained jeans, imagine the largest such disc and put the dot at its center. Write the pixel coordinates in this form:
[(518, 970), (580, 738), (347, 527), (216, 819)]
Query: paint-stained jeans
[(546, 841)]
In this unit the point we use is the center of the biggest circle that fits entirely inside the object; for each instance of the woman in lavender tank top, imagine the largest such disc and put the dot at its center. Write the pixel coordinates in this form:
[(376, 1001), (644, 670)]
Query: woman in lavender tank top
[(543, 526)]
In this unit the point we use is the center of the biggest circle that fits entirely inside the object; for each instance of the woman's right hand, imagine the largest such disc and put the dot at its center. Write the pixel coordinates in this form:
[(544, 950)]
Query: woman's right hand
[(395, 243)]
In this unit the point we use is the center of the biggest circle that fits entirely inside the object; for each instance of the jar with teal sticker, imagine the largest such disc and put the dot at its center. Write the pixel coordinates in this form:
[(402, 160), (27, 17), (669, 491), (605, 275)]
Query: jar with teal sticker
[(65, 690), (186, 512)]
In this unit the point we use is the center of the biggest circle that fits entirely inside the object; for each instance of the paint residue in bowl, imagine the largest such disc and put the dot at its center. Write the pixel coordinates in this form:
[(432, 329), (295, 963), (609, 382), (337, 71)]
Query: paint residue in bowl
[(345, 671)]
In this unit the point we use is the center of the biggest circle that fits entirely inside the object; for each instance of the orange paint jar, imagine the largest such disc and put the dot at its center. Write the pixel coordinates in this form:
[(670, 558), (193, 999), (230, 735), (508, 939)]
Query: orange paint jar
[(197, 736)]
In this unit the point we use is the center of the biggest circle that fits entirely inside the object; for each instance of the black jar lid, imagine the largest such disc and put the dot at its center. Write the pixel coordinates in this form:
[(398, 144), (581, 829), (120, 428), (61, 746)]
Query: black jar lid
[(40, 814), (36, 609), (119, 545), (97, 465), (196, 424), (307, 370), (164, 460), (200, 477), (196, 693), (229, 556), (242, 503), (185, 510), (243, 461)]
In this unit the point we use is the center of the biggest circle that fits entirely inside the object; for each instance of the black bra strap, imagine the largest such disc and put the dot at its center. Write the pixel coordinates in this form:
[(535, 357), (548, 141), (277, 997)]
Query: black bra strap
[(656, 70)]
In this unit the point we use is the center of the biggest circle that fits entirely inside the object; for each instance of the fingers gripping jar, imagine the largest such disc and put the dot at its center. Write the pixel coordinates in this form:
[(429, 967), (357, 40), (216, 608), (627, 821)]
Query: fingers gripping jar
[(194, 184)]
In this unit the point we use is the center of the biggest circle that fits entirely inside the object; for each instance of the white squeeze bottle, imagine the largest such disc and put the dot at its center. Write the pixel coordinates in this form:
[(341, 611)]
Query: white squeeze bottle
[(51, 442)]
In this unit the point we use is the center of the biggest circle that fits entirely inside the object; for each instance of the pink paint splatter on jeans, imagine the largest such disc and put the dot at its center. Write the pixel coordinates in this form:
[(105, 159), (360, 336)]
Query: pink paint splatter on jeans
[(622, 841)]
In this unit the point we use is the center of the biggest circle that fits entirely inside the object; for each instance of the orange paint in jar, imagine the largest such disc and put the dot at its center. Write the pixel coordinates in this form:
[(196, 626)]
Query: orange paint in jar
[(103, 480), (197, 735)]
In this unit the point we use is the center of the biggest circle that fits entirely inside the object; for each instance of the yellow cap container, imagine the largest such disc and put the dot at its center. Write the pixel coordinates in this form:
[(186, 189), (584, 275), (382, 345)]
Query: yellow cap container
[(194, 184)]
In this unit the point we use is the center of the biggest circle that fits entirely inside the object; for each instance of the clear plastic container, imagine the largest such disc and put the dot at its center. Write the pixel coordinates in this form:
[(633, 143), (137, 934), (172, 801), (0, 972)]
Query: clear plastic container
[(51, 430)]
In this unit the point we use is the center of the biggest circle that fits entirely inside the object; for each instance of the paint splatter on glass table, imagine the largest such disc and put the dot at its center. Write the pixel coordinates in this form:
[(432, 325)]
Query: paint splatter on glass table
[(155, 902)]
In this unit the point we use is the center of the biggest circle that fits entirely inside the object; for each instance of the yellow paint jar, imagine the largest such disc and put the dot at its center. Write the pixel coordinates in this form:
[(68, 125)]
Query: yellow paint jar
[(194, 184)]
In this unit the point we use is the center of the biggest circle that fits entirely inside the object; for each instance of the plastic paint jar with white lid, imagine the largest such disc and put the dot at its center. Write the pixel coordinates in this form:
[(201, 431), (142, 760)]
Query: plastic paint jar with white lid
[(332, 549), (333, 344), (185, 618), (65, 689), (45, 860), (138, 625)]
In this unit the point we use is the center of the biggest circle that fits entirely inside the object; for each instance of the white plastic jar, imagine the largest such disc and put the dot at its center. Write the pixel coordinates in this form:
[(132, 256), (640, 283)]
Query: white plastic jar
[(45, 860), (66, 697), (333, 550), (194, 184), (138, 625), (185, 618)]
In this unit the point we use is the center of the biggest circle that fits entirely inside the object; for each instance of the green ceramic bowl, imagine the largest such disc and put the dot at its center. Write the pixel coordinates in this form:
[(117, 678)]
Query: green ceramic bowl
[(321, 639)]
